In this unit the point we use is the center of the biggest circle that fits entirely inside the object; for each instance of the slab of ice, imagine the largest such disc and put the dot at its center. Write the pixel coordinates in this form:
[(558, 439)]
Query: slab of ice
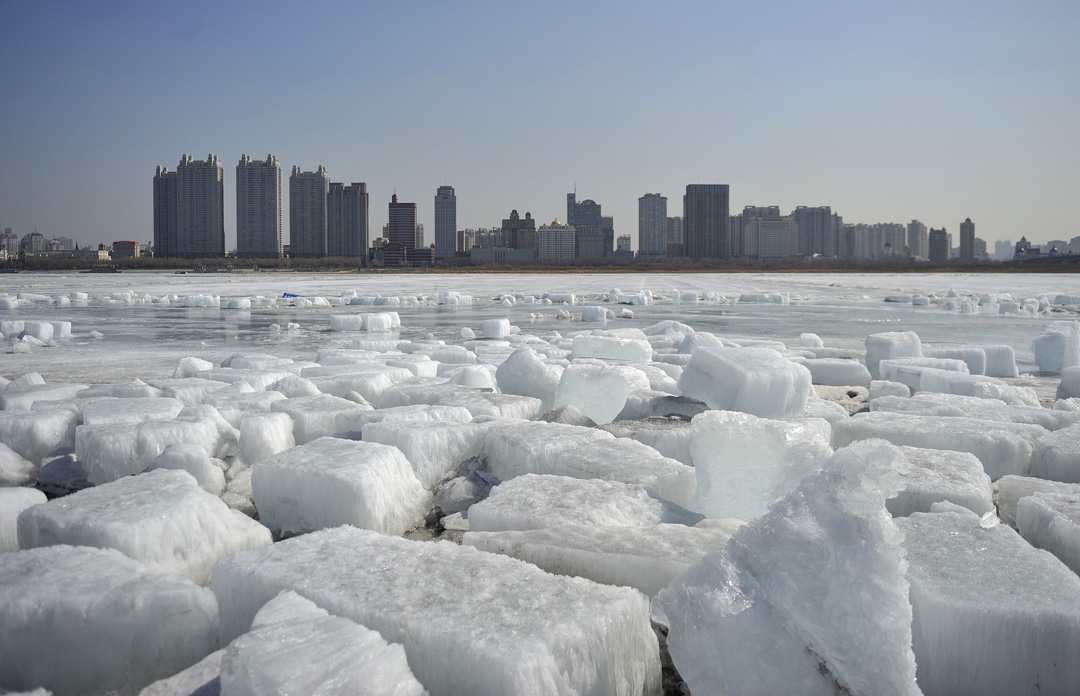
[(1069, 386), (538, 501), (15, 470), (928, 476), (973, 356), (329, 482), (893, 344), (294, 647), (702, 338), (111, 452), (612, 348), (79, 620), (12, 502), (433, 449), (1003, 448), (645, 558), (496, 328), (649, 403), (192, 459), (33, 435), (1051, 521), (837, 372), (479, 403), (743, 463), (1008, 490), (161, 518), (1000, 361), (758, 381), (20, 398), (810, 598), (991, 614), (263, 435), (598, 390), (319, 416), (190, 391), (130, 410), (258, 379), (1058, 346), (514, 447), (525, 374), (934, 403), (529, 633), (671, 437), (1057, 455), (191, 367)]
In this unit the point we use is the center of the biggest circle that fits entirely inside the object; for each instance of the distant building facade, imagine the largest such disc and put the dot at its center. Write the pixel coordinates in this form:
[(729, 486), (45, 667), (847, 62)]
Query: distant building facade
[(674, 237), (165, 214), (125, 250), (258, 208), (967, 239), (402, 246), (200, 208), (308, 193), (652, 225), (555, 242), (595, 233), (766, 234), (445, 222), (940, 245), (518, 232), (706, 227), (817, 230), (347, 220), (917, 240)]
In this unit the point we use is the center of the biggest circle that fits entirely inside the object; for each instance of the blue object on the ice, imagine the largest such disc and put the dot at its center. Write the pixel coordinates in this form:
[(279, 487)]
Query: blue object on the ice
[(288, 294)]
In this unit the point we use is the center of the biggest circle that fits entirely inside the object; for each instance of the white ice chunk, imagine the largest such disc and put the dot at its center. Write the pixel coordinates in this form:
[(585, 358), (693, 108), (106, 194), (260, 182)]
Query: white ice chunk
[(194, 460), (33, 435), (190, 391), (516, 447), (671, 437), (837, 372), (992, 615), (12, 502), (294, 386), (78, 620), (478, 402), (743, 463), (1057, 455), (1003, 448), (161, 518), (294, 647), (134, 410), (433, 449), (645, 558), (882, 387), (1010, 489), (528, 633), (609, 347), (496, 328), (598, 390), (320, 416), (263, 435), (1051, 521), (18, 398), (15, 470), (539, 501), (1069, 386), (525, 374), (128, 390), (1000, 361), (808, 599), (191, 367), (1058, 346), (893, 344), (758, 381), (329, 482), (929, 476)]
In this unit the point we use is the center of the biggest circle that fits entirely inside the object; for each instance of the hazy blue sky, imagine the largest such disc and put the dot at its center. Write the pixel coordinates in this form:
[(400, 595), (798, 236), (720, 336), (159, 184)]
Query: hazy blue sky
[(886, 111)]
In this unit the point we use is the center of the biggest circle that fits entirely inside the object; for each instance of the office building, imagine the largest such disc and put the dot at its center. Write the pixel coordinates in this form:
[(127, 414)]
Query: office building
[(307, 212), (347, 220), (555, 242), (518, 232), (940, 245), (258, 208), (595, 233), (445, 222), (917, 240), (125, 250), (674, 237), (189, 209), (967, 239), (706, 228), (402, 246), (766, 234)]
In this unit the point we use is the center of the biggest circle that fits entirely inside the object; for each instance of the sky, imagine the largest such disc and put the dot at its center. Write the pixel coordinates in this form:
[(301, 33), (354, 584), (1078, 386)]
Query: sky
[(887, 112)]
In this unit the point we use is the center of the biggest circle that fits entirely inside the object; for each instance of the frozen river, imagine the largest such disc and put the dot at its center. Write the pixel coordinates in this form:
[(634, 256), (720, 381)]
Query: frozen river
[(145, 335)]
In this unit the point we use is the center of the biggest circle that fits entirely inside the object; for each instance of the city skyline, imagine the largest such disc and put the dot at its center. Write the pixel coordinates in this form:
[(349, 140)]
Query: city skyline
[(928, 112)]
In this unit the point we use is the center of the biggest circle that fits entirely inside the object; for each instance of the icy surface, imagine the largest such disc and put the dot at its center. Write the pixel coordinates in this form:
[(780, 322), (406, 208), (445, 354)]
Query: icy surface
[(743, 463), (263, 435), (612, 348), (12, 502), (79, 620), (1003, 448), (294, 647), (433, 449), (810, 598), (319, 416), (192, 459), (524, 373), (1009, 490), (471, 622), (329, 482), (1051, 521), (1058, 346), (837, 372), (160, 518), (758, 381), (33, 435), (894, 344), (15, 470), (478, 403), (130, 410), (111, 452), (670, 437), (538, 501), (518, 447), (598, 390), (992, 615), (1057, 455), (928, 476), (645, 558)]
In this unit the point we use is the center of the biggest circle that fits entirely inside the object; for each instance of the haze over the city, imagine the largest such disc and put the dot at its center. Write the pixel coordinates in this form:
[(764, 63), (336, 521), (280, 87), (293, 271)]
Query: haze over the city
[(934, 111)]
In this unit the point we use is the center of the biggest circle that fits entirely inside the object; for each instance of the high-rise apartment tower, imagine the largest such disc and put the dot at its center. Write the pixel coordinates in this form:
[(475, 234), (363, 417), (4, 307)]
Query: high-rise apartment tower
[(706, 228), (258, 208), (307, 212), (445, 222)]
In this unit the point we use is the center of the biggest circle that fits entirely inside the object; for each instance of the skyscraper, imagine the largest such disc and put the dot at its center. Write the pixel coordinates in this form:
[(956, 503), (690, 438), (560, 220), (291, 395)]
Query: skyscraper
[(967, 239), (307, 212), (189, 209), (165, 213), (519, 232), (939, 244), (817, 233), (347, 220), (400, 232), (445, 222), (258, 208), (917, 241), (706, 228), (652, 225), (674, 237), (594, 238)]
